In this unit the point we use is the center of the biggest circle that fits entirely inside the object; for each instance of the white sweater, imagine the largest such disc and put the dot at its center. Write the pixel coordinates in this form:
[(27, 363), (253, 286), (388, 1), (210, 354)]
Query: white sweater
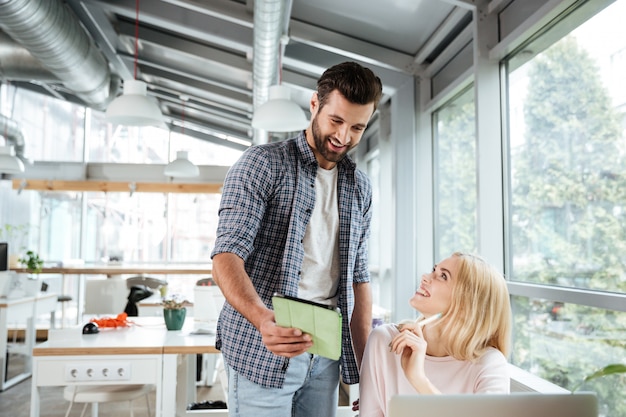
[(382, 376)]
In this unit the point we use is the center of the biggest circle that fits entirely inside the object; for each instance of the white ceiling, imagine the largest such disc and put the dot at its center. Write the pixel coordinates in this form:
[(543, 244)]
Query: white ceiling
[(204, 50)]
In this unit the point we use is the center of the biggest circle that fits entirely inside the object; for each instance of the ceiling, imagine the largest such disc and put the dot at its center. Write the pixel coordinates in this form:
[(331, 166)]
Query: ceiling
[(198, 57)]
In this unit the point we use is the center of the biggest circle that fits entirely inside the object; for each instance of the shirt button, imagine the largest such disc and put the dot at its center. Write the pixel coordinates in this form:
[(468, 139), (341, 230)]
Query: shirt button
[(299, 272), (308, 210)]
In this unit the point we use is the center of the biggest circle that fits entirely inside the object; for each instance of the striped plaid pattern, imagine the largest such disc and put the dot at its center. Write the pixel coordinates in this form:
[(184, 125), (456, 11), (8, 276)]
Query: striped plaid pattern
[(266, 204)]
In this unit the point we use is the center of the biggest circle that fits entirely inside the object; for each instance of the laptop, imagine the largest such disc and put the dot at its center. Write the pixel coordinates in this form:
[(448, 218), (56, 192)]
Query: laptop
[(527, 404)]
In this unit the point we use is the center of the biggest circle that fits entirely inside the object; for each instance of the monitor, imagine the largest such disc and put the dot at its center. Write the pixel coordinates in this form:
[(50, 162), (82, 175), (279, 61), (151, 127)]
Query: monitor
[(4, 256)]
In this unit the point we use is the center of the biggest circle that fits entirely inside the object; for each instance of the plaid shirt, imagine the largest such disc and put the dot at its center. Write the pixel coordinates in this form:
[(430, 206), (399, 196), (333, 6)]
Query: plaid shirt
[(267, 201)]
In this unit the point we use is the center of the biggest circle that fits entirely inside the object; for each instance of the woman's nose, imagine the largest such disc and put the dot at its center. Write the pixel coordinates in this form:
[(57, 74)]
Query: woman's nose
[(426, 277)]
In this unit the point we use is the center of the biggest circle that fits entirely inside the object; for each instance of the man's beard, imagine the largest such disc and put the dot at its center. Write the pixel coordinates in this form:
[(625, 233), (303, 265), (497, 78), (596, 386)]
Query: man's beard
[(322, 146)]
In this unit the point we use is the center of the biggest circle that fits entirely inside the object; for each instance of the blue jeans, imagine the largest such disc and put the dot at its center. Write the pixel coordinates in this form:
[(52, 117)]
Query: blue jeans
[(310, 390)]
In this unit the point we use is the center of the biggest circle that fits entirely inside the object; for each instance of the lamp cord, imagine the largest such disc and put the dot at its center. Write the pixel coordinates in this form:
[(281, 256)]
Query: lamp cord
[(6, 123), (136, 37), (183, 118)]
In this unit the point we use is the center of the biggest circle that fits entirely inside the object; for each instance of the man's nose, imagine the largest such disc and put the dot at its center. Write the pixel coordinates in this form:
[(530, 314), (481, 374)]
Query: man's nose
[(343, 135)]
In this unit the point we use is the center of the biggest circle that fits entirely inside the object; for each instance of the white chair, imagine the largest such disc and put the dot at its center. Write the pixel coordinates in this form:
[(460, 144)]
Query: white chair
[(105, 296), (95, 394)]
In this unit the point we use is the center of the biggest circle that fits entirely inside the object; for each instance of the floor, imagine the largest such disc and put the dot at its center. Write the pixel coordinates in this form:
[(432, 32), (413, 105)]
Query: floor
[(15, 401)]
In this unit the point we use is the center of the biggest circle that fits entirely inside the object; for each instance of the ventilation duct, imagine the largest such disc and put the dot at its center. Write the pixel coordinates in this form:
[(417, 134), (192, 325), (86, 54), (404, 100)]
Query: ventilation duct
[(53, 35), (271, 19), (13, 135), (17, 64)]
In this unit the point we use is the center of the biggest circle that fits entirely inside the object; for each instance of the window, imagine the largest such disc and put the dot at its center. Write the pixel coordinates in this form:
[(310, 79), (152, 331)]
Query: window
[(455, 176), (567, 144), (53, 129)]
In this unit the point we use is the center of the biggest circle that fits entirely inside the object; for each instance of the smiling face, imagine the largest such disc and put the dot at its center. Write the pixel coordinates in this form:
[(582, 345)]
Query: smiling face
[(336, 128), (434, 294)]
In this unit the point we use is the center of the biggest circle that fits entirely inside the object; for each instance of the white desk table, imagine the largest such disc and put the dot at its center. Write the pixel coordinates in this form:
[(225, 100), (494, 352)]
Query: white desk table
[(20, 310), (147, 352)]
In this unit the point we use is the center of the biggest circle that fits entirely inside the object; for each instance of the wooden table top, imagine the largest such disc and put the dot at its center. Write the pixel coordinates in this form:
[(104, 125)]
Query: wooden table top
[(7, 302), (125, 269)]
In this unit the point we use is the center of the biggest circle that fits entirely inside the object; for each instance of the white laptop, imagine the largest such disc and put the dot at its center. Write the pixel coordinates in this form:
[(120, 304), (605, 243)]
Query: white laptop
[(580, 404)]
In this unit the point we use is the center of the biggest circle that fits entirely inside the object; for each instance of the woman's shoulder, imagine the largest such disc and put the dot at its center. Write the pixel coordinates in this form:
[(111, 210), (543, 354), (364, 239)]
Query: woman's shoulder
[(384, 331), (492, 356)]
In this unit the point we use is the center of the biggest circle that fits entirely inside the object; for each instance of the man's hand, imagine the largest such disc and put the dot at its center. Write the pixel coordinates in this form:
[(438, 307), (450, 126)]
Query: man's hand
[(284, 341)]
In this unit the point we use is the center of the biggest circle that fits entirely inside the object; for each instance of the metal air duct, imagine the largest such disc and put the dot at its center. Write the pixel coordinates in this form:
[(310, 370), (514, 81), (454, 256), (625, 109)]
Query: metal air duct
[(53, 35), (13, 135), (269, 25)]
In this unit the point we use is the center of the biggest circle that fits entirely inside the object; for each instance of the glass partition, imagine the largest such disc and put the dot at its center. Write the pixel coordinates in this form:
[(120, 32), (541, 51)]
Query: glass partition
[(455, 175)]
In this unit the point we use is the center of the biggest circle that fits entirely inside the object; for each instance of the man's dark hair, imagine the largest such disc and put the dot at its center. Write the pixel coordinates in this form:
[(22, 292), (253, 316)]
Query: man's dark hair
[(359, 85)]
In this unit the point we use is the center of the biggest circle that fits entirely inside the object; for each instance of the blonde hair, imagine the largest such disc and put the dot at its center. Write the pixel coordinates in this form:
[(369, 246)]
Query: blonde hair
[(480, 312)]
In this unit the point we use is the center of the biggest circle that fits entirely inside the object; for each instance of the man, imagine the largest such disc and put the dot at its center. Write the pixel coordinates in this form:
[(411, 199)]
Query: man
[(295, 219)]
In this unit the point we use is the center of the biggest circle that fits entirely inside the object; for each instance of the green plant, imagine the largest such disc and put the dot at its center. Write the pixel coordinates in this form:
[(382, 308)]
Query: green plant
[(615, 368), (14, 235), (32, 262), (175, 302)]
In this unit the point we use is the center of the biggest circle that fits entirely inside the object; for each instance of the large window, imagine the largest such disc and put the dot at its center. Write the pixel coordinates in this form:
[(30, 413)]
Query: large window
[(567, 146), (53, 130), (98, 227), (455, 176)]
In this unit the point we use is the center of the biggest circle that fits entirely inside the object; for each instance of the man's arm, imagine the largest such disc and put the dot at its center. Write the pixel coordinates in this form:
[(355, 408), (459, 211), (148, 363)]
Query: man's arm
[(230, 275), (361, 322)]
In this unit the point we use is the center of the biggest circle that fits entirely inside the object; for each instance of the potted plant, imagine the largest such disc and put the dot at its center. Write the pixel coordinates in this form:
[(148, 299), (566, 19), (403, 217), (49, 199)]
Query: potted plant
[(174, 311), (32, 262)]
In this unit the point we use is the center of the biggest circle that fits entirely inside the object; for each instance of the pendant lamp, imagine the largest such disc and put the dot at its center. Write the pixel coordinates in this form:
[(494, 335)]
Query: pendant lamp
[(279, 113), (9, 163), (134, 107), (181, 167)]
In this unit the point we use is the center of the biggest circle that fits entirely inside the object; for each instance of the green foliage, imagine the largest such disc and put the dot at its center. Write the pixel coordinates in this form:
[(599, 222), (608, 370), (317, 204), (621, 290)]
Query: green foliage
[(568, 214), (32, 262), (456, 175), (14, 235), (569, 175), (615, 368)]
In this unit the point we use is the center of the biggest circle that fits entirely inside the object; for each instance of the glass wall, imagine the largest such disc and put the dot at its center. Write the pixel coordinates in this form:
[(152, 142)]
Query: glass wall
[(567, 142), (455, 176), (96, 227)]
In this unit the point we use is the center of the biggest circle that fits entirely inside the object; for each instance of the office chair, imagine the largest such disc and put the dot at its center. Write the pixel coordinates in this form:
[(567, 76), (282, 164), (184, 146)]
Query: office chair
[(149, 282), (95, 394)]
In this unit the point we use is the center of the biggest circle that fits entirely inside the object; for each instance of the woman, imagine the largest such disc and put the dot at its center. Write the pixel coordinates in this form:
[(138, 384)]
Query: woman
[(463, 351)]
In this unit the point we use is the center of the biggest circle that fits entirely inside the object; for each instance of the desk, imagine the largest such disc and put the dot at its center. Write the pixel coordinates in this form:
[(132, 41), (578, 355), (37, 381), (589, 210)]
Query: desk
[(20, 309), (118, 269), (147, 352), (125, 269)]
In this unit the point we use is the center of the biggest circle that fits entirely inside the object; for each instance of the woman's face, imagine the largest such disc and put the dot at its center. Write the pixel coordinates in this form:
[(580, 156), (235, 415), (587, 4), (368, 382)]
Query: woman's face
[(434, 294)]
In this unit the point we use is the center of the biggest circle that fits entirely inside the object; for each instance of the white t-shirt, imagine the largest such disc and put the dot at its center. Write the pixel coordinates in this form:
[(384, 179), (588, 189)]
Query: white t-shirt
[(320, 267)]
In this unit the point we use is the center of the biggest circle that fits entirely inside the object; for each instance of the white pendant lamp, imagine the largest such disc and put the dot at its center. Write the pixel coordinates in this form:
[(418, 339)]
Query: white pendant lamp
[(279, 113), (181, 167), (134, 107), (9, 163)]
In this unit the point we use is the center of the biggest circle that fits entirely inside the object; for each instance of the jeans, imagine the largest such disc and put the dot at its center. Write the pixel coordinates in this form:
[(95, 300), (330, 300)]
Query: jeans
[(310, 390)]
